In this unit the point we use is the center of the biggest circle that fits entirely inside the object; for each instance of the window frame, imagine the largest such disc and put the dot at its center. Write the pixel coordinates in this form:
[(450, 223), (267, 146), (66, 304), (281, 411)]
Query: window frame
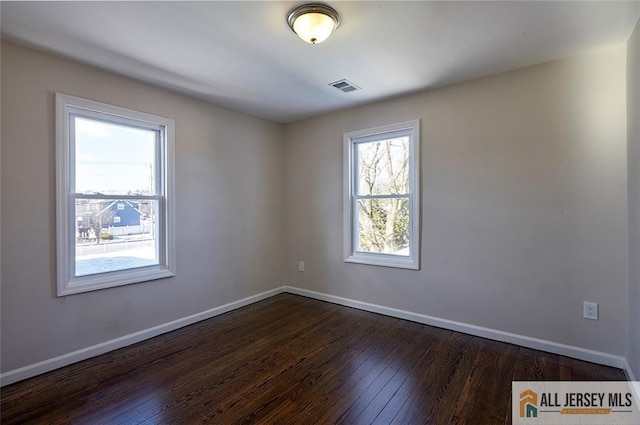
[(350, 229), (67, 107)]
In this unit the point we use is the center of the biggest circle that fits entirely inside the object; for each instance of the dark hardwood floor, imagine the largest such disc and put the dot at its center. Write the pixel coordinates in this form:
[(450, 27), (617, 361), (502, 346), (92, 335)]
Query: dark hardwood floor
[(293, 360)]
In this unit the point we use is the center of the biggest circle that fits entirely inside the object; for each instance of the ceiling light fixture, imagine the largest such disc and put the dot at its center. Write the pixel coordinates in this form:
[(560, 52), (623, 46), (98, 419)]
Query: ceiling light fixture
[(313, 22)]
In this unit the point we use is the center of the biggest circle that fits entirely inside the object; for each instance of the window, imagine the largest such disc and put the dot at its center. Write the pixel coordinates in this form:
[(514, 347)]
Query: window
[(382, 196), (106, 156)]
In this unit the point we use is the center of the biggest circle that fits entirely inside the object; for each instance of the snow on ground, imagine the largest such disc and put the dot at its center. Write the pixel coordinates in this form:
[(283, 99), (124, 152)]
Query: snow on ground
[(112, 261)]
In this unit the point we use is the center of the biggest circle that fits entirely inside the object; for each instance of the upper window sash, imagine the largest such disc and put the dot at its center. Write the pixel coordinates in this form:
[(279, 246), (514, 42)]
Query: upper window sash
[(159, 130), (356, 166)]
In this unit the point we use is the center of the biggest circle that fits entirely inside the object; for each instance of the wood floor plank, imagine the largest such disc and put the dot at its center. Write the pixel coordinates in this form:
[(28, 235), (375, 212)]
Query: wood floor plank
[(293, 360), (308, 402), (440, 338), (352, 386), (373, 399), (305, 364), (496, 378)]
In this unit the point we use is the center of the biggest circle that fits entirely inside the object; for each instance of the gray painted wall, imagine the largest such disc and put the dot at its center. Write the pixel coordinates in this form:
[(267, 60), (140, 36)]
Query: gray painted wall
[(524, 210), (633, 134), (524, 203), (229, 197)]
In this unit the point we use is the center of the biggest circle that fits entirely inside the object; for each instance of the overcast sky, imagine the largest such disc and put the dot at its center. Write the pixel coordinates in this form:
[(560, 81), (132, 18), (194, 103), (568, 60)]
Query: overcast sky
[(112, 158)]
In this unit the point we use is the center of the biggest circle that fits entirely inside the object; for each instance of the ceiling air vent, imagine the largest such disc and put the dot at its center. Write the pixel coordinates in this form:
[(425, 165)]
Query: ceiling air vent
[(345, 86)]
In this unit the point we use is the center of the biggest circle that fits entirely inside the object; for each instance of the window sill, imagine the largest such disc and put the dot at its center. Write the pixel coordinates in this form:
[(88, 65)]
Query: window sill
[(383, 260), (113, 279)]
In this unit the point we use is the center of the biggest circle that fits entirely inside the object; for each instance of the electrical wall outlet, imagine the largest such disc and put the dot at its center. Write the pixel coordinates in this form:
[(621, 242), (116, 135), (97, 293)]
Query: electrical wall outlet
[(590, 310), (301, 266)]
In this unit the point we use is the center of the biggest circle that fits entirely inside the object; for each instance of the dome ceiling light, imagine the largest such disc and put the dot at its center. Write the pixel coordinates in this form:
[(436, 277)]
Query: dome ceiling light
[(313, 22)]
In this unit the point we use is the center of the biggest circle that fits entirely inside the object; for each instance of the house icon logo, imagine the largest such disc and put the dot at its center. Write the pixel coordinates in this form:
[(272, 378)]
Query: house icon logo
[(528, 404)]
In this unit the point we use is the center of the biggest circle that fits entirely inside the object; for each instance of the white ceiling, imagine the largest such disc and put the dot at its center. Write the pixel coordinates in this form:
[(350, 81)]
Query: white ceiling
[(244, 56)]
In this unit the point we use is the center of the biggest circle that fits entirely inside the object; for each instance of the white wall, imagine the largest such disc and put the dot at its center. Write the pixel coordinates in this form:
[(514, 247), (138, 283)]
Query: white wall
[(229, 197), (633, 134), (524, 212)]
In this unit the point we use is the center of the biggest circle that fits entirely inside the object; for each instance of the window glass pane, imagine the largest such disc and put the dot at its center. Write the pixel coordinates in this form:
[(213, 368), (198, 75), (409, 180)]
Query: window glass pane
[(112, 158), (383, 167), (110, 239), (383, 226)]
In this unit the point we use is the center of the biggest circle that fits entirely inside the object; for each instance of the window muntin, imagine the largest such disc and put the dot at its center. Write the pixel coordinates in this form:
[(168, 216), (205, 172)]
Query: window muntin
[(382, 196), (115, 191)]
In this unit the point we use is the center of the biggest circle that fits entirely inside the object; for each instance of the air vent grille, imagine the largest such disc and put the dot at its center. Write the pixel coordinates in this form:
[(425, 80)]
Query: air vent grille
[(344, 86)]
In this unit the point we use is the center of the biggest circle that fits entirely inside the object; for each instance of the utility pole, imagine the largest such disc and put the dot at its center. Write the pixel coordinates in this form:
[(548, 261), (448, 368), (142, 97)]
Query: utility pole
[(151, 192)]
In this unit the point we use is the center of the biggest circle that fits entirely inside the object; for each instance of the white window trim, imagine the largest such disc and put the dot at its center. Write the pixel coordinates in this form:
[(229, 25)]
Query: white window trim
[(67, 283), (351, 255)]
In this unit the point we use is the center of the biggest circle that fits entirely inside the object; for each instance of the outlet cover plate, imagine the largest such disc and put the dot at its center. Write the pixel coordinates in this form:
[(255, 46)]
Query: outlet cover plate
[(590, 310)]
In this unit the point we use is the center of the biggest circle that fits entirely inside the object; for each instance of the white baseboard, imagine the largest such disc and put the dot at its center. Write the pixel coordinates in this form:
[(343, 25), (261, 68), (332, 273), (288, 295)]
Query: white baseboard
[(635, 386), (114, 344), (521, 340), (66, 359), (627, 369)]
